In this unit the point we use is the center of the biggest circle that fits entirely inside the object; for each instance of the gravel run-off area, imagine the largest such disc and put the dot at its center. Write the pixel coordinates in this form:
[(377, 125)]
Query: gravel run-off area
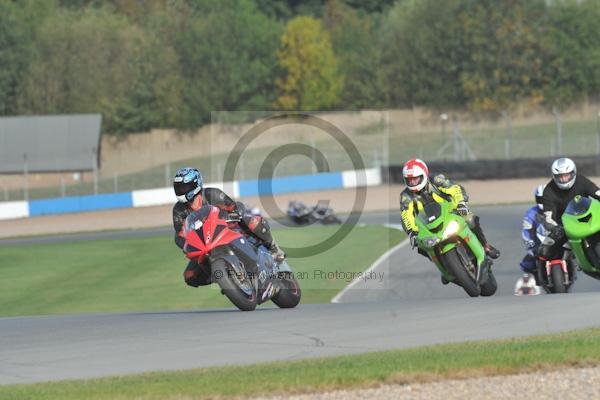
[(571, 383)]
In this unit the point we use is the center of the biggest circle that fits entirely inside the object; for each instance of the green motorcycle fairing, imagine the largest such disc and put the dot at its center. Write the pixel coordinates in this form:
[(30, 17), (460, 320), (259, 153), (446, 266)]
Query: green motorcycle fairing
[(581, 220), (440, 228)]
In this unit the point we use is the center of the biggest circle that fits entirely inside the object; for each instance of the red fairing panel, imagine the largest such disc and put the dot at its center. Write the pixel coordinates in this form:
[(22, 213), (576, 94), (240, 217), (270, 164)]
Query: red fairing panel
[(215, 232)]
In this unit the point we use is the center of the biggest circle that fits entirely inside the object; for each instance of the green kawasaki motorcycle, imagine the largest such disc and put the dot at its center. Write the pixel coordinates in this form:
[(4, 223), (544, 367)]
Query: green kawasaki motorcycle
[(581, 221), (455, 250)]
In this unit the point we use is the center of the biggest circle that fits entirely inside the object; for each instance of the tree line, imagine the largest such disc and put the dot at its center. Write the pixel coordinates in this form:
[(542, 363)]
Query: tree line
[(170, 63)]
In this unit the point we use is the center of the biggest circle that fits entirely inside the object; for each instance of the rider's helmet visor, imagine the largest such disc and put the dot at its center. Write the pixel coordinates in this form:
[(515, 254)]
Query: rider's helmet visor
[(413, 181), (565, 178)]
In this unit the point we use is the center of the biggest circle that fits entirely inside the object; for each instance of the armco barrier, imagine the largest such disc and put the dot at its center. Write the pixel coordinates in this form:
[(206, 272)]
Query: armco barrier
[(80, 204), (14, 209), (162, 196), (292, 184), (494, 169)]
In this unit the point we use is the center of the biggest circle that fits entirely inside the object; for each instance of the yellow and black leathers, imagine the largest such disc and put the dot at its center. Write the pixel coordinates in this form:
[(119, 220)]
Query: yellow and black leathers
[(439, 189)]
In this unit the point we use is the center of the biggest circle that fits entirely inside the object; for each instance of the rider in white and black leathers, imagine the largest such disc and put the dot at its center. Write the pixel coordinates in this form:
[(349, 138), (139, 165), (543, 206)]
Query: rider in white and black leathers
[(563, 187)]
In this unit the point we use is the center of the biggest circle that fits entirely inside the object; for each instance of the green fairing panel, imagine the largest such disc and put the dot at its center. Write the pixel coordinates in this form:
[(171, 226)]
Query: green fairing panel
[(581, 220)]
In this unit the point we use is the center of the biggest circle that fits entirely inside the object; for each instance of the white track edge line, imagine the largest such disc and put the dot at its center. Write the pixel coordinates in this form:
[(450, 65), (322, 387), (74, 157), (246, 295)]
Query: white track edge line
[(373, 266)]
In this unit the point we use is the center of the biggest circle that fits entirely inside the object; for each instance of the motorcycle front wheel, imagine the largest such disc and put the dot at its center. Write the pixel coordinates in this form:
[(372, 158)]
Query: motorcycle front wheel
[(558, 278), (238, 289), (456, 266)]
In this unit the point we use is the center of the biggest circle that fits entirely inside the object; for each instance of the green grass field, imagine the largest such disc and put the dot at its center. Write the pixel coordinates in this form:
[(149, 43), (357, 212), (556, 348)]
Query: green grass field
[(146, 274), (426, 364)]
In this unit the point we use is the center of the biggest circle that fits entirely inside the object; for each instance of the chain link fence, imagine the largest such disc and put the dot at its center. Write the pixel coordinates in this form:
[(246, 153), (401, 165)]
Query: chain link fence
[(381, 137)]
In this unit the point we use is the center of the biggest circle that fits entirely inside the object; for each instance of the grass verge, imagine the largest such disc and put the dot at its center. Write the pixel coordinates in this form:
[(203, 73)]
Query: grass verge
[(145, 274), (426, 364)]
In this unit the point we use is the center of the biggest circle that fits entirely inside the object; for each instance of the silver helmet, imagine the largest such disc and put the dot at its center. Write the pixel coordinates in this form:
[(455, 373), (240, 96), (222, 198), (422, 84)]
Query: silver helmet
[(564, 173)]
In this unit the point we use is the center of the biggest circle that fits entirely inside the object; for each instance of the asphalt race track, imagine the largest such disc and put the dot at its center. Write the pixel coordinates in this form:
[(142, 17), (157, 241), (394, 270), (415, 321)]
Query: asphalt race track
[(412, 308), (417, 278)]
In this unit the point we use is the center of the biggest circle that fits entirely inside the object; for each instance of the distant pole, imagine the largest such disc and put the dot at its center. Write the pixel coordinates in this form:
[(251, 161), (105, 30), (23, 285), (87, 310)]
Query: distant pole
[(314, 167), (457, 144), (444, 118), (376, 160), (598, 133), (242, 168), (558, 131), (167, 174), (509, 135), (62, 187), (219, 172), (95, 169), (26, 178)]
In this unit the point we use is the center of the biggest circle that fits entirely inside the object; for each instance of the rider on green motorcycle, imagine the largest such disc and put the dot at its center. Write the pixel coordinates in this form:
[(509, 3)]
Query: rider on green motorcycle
[(420, 192), (562, 188)]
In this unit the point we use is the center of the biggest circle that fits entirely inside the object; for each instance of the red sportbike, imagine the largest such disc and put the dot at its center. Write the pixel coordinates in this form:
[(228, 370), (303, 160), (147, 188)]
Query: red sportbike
[(240, 264)]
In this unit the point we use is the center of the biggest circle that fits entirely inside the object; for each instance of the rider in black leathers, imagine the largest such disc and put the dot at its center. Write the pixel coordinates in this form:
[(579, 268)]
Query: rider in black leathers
[(191, 196), (562, 188)]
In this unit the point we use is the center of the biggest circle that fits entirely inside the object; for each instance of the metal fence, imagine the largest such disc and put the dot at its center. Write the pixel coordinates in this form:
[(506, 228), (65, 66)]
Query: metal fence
[(380, 141)]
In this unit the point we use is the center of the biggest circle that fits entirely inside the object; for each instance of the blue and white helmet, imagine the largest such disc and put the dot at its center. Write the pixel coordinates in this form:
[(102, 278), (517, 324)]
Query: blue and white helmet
[(187, 184)]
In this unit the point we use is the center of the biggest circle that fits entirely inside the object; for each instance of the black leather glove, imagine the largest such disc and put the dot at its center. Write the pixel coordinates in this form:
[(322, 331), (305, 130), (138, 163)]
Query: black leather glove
[(412, 237), (462, 209), (234, 216), (240, 208), (557, 232), (238, 213)]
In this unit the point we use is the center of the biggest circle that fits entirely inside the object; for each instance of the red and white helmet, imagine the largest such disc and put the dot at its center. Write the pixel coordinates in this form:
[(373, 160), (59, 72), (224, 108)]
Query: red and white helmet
[(416, 174)]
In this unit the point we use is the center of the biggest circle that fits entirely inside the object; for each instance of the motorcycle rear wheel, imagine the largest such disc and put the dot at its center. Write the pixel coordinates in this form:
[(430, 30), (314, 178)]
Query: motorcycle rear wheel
[(490, 286), (289, 295)]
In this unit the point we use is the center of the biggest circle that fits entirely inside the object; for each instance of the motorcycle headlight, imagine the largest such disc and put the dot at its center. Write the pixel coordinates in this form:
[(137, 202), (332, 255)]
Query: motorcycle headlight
[(450, 230), (430, 241)]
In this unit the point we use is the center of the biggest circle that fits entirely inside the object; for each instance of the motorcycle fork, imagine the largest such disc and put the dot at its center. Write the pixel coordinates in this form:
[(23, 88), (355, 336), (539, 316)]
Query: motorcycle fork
[(563, 267)]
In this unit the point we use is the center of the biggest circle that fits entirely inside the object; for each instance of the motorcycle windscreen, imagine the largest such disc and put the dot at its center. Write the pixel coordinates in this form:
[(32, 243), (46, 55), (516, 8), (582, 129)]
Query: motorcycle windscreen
[(578, 206), (195, 220), (430, 213)]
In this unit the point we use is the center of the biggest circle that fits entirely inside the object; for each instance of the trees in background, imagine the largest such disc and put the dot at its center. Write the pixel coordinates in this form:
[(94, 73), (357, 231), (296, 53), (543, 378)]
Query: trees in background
[(18, 26), (489, 55), (311, 80), (227, 54), (572, 66), (162, 63)]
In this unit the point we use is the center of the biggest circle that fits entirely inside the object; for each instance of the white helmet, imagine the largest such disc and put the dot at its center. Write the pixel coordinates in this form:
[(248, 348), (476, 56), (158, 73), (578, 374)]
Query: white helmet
[(564, 173), (539, 193), (416, 174)]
